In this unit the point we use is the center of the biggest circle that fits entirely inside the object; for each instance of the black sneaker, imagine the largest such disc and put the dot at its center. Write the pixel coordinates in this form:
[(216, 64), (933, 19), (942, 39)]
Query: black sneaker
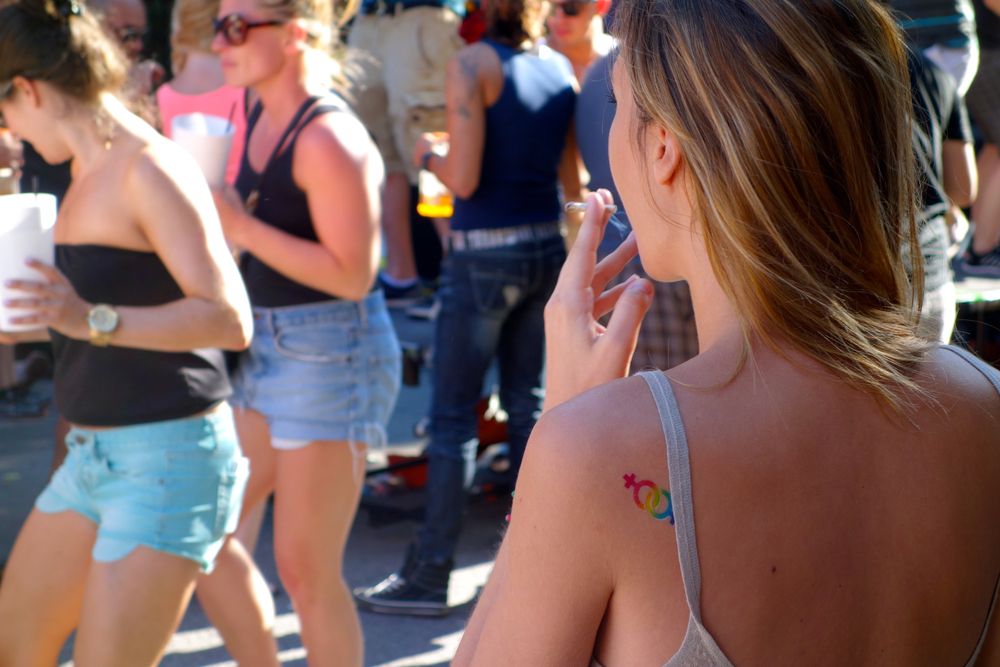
[(420, 588), (975, 265), (399, 296)]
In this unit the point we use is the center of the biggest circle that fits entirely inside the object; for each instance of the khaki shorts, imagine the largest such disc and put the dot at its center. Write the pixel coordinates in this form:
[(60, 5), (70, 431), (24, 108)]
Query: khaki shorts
[(397, 81)]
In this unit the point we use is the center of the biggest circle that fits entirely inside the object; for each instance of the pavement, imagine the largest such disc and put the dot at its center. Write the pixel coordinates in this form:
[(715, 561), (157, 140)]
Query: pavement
[(375, 549)]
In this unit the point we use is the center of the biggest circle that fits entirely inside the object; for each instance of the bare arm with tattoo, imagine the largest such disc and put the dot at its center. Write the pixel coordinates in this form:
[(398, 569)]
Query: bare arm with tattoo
[(474, 79)]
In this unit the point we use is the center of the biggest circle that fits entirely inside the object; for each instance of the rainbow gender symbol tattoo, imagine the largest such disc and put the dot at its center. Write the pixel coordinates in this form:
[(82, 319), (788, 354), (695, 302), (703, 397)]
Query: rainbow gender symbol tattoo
[(653, 497)]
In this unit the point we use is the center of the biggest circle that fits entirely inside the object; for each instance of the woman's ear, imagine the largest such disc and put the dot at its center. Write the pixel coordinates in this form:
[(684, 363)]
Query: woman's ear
[(666, 155), (27, 89), (296, 34)]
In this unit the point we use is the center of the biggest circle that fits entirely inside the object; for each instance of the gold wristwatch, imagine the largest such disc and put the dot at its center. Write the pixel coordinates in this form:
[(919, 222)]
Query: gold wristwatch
[(102, 320)]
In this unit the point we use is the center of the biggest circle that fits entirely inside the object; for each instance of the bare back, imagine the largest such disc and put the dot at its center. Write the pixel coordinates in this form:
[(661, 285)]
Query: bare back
[(828, 531)]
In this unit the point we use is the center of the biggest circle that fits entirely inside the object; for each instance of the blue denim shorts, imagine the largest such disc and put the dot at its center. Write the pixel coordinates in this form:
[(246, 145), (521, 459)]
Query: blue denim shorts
[(322, 371), (173, 486)]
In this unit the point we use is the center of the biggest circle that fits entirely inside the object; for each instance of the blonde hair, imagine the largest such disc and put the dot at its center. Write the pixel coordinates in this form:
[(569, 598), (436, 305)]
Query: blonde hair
[(794, 121), (191, 29), (322, 20)]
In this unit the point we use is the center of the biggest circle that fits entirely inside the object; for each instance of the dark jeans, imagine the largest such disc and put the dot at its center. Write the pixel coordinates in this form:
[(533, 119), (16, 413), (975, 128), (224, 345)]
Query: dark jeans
[(492, 304)]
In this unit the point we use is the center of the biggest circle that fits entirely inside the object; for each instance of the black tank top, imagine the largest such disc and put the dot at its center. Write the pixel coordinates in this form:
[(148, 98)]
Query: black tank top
[(283, 205), (120, 386)]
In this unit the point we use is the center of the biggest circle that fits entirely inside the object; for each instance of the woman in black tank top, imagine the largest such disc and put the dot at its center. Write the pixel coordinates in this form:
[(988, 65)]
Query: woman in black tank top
[(142, 295), (322, 373)]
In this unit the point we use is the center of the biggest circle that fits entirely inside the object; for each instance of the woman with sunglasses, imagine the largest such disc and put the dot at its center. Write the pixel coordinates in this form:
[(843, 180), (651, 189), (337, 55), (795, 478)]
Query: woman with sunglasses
[(320, 379), (143, 294), (820, 485)]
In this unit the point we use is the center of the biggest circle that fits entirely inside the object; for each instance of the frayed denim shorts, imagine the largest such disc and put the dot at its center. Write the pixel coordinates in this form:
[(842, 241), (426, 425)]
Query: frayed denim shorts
[(174, 486), (322, 371)]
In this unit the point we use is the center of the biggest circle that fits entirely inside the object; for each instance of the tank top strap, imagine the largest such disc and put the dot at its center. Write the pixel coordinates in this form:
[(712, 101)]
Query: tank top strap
[(314, 107), (990, 373), (993, 375), (679, 466), (986, 626), (253, 115)]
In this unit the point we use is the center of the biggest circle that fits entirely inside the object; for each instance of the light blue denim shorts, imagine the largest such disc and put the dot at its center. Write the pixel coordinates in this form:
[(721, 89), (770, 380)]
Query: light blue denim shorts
[(174, 486), (322, 371)]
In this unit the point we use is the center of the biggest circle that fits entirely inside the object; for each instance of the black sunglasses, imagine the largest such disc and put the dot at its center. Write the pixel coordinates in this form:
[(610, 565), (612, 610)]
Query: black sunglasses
[(572, 7), (235, 29)]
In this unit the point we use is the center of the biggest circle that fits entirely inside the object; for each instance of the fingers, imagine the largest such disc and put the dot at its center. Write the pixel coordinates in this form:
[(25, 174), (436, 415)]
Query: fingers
[(50, 272), (33, 304), (612, 265), (623, 328), (29, 286), (578, 271), (605, 303)]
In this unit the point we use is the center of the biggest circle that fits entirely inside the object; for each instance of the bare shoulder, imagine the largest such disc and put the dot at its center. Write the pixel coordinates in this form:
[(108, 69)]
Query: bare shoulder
[(158, 164), (947, 372), (336, 131), (599, 423), (474, 63), (594, 440), (338, 144)]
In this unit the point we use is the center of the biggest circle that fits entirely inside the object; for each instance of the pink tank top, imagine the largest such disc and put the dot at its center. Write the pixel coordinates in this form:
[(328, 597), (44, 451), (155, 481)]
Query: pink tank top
[(219, 102)]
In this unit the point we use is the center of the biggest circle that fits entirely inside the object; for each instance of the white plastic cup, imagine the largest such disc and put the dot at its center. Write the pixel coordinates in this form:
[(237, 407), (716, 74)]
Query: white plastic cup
[(26, 226), (209, 139)]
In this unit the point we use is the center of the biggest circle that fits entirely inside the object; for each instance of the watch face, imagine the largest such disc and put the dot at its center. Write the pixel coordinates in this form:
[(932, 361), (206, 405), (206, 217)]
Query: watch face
[(103, 319)]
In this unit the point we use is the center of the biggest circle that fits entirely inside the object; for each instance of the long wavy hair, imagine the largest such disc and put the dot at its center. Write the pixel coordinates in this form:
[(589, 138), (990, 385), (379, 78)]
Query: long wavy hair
[(793, 117)]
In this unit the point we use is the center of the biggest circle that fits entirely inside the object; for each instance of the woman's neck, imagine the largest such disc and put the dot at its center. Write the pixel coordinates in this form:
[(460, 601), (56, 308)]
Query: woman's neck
[(91, 131), (715, 317), (283, 94)]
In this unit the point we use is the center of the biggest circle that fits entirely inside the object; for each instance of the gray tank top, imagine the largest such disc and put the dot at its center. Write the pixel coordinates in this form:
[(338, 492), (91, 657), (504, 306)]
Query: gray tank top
[(699, 648)]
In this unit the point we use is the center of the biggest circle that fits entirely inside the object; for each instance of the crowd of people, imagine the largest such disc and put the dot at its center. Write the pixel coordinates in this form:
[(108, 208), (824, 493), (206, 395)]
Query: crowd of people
[(751, 316)]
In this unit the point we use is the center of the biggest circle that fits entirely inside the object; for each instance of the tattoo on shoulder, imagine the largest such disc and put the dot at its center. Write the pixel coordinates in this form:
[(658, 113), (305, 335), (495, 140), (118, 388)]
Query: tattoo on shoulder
[(650, 497), (470, 68)]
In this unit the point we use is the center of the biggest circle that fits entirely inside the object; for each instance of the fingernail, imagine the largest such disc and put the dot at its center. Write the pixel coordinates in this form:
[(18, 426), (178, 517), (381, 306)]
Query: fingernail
[(641, 287)]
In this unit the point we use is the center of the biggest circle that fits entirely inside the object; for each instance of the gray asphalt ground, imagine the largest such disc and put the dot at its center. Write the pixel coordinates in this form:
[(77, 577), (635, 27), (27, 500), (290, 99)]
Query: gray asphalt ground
[(375, 548)]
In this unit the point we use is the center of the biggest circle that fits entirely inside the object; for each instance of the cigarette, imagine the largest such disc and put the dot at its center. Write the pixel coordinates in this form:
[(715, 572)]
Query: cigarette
[(581, 206)]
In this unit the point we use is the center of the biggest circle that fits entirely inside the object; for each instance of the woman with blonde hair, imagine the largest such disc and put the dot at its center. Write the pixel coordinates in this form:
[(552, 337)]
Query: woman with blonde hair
[(318, 384), (819, 485), (199, 85)]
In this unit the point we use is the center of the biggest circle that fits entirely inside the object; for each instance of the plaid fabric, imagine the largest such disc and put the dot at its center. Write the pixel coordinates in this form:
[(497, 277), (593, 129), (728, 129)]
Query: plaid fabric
[(668, 336)]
